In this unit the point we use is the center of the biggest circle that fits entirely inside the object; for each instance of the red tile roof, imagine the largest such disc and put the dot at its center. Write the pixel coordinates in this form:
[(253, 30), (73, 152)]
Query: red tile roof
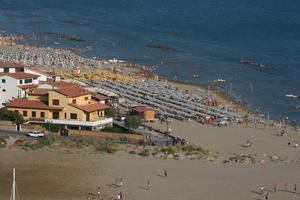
[(19, 75), (101, 97), (73, 91), (11, 65), (25, 103), (38, 91), (90, 107), (27, 86), (59, 84), (142, 109)]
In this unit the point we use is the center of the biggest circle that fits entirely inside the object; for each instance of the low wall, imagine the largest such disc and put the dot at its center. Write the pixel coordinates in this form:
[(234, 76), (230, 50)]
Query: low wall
[(106, 135), (6, 123)]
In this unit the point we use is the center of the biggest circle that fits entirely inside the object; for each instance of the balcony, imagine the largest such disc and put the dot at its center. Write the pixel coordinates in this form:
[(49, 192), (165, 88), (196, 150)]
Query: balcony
[(80, 123)]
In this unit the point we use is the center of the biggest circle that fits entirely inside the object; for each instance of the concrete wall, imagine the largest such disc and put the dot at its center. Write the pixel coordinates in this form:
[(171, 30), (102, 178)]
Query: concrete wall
[(42, 77), (10, 87)]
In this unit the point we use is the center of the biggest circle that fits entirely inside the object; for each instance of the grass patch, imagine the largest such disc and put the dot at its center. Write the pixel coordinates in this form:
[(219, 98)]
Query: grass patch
[(107, 148), (46, 141), (75, 143)]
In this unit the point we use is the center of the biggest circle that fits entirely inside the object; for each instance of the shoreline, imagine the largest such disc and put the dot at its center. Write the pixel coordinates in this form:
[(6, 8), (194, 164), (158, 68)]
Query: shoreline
[(241, 106)]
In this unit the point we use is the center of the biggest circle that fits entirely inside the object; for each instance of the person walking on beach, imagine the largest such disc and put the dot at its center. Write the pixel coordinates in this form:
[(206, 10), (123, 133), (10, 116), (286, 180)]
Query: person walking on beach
[(118, 196), (275, 188), (262, 190), (286, 187), (98, 191), (165, 172), (148, 185), (289, 142), (267, 196), (295, 188)]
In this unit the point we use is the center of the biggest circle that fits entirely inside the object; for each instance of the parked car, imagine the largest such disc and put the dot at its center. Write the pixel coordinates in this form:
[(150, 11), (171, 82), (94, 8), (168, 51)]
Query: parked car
[(121, 117), (35, 134)]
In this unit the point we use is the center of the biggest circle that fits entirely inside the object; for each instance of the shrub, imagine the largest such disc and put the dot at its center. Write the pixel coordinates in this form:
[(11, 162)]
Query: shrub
[(78, 143), (203, 151), (51, 127), (3, 141), (46, 141), (144, 153), (132, 152), (189, 148)]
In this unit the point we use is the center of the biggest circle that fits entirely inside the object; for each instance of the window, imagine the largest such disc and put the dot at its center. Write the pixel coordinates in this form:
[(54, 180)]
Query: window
[(55, 102), (4, 90), (29, 80), (86, 98), (6, 69), (16, 111), (3, 81), (65, 115), (74, 101), (25, 113), (33, 114), (20, 81), (42, 114), (73, 116)]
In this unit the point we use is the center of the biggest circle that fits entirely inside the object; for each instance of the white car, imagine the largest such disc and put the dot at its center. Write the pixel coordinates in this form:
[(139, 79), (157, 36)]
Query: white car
[(35, 134)]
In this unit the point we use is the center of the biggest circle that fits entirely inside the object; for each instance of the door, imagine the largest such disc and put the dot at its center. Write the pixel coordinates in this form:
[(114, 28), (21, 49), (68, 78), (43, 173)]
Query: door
[(87, 117), (55, 115)]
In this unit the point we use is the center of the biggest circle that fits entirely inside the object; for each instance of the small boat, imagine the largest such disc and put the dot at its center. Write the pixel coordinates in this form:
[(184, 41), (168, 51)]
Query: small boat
[(292, 96), (56, 43), (219, 80), (114, 61)]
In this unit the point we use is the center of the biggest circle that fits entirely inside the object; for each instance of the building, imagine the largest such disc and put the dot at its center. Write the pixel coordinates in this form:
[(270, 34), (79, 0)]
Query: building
[(43, 75), (10, 67), (15, 85), (51, 85), (144, 111), (72, 107)]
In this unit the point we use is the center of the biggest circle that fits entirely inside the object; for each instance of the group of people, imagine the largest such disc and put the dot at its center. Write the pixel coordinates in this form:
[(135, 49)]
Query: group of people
[(275, 189), (119, 182)]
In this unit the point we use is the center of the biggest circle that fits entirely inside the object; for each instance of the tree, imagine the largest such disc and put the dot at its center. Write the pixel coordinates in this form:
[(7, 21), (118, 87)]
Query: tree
[(133, 122), (111, 112), (13, 116)]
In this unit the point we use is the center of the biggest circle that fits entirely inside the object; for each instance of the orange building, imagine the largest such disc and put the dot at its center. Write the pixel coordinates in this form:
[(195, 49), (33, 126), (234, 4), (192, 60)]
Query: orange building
[(72, 107), (144, 111)]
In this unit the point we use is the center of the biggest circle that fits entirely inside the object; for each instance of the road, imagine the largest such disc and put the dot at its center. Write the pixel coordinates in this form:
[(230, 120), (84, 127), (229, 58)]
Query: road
[(155, 136), (160, 141)]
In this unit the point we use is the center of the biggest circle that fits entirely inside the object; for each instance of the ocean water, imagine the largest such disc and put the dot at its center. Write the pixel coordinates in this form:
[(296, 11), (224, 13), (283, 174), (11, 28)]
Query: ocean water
[(209, 38)]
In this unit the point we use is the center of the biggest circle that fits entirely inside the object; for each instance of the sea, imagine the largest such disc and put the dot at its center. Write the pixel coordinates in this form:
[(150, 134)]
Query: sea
[(205, 39)]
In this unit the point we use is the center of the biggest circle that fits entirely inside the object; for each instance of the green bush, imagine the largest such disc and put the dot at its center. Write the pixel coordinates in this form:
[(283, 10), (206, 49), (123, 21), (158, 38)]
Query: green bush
[(51, 127), (132, 152), (144, 153)]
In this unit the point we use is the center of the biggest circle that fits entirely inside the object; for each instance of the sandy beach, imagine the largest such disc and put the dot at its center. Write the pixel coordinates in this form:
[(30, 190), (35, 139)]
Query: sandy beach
[(51, 174), (68, 174)]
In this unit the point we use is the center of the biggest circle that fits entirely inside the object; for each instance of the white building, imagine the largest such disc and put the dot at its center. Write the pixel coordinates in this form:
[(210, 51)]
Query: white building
[(9, 67), (15, 85), (43, 75)]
